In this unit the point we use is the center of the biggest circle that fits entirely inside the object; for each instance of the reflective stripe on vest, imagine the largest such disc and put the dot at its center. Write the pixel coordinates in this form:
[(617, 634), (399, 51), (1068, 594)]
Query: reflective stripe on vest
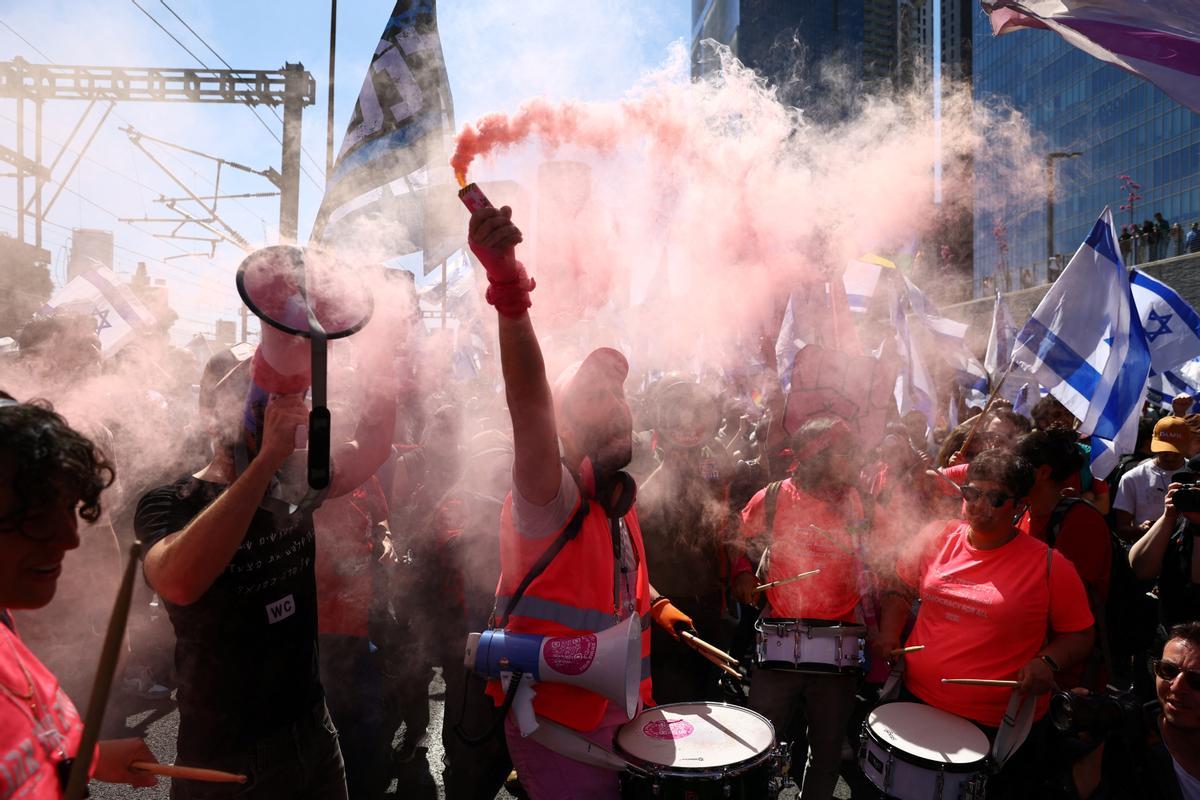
[(580, 619)]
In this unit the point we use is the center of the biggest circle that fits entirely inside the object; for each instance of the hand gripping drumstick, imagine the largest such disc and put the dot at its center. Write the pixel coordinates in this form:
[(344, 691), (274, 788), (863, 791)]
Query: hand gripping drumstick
[(705, 648), (773, 584), (978, 682), (188, 773)]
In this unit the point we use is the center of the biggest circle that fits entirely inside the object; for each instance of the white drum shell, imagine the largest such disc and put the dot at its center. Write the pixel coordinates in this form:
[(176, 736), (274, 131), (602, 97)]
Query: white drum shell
[(900, 762), (809, 646)]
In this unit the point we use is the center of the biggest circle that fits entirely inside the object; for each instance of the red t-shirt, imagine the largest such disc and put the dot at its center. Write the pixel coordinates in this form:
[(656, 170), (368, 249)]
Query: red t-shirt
[(795, 547), (345, 547), (984, 614), (1084, 539), (29, 751)]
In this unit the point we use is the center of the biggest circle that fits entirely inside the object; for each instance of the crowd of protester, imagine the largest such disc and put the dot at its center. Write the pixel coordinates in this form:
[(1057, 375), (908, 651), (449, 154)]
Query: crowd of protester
[(987, 549)]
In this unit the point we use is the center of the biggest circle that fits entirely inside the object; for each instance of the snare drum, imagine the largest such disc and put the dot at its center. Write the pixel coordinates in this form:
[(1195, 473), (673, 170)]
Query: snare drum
[(912, 751), (810, 645), (694, 751)]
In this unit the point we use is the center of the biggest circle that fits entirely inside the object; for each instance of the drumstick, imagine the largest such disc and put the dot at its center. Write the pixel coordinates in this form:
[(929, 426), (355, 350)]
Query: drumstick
[(725, 667), (979, 682), (704, 647), (188, 773), (899, 651), (946, 478), (110, 652), (773, 584)]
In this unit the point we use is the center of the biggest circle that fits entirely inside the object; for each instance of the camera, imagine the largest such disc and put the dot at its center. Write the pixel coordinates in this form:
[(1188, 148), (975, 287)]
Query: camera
[(1186, 499), (1097, 715)]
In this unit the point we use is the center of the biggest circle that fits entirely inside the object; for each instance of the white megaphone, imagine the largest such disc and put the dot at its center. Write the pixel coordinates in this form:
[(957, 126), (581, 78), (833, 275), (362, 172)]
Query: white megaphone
[(305, 299), (607, 663)]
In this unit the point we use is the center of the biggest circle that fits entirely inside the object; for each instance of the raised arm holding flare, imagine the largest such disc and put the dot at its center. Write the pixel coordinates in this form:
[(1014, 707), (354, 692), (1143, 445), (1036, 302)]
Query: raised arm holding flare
[(581, 509)]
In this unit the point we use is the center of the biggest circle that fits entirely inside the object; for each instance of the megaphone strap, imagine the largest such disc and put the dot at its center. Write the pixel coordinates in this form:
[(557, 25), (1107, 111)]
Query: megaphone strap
[(570, 532), (510, 694)]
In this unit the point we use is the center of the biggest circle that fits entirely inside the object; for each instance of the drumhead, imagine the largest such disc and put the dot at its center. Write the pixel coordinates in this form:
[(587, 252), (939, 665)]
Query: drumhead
[(928, 733), (696, 735)]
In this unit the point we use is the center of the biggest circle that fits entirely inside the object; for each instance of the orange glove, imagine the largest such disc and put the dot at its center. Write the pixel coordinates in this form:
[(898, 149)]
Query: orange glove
[(670, 618)]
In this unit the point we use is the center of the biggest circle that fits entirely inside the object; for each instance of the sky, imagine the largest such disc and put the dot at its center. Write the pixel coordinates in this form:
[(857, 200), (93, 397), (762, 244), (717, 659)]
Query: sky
[(498, 54)]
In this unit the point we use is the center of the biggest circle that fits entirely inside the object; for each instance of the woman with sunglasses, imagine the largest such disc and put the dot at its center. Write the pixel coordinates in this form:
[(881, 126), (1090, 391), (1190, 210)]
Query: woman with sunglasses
[(995, 604), (50, 476)]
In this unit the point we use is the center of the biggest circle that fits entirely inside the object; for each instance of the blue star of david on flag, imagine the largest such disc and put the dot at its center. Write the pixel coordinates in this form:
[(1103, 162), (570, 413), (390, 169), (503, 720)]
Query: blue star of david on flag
[(1161, 321), (101, 319)]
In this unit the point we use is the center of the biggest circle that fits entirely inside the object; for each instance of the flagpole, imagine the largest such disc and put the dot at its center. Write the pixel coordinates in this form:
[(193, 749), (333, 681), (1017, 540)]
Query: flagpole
[(332, 53), (986, 408)]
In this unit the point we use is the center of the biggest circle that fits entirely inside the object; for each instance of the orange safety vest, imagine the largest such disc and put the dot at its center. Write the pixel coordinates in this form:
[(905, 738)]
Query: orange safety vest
[(573, 595)]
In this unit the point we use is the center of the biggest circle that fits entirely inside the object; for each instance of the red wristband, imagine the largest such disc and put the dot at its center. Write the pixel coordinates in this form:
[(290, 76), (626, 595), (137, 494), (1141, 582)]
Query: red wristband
[(511, 298)]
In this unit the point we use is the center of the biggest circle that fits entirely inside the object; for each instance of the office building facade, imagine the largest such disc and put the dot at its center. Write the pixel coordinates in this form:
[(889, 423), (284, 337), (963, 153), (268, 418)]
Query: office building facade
[(1120, 124)]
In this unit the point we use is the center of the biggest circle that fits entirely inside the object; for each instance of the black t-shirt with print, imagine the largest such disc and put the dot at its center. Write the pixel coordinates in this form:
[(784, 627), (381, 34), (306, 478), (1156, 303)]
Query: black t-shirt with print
[(246, 651)]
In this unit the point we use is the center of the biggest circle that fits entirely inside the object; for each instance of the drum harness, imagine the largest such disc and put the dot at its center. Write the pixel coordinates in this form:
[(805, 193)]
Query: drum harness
[(866, 608)]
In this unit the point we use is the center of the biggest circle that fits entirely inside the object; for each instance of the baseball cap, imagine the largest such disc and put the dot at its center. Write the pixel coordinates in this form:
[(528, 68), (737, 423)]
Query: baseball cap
[(226, 369), (603, 363), (1171, 435)]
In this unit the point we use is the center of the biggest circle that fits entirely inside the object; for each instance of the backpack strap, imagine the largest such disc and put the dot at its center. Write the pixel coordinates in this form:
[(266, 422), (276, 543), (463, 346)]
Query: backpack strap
[(1054, 524), (1103, 643), (570, 532), (770, 505)]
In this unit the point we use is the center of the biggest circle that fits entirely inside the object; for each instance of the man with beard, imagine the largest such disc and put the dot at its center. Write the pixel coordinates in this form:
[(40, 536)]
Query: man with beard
[(816, 524), (686, 522), (569, 533)]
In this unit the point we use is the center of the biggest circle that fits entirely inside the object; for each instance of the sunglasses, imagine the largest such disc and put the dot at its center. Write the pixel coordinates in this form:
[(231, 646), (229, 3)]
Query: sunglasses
[(1169, 671), (29, 529), (995, 499)]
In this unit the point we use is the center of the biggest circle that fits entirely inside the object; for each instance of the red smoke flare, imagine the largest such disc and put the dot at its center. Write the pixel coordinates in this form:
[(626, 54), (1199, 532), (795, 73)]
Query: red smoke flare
[(554, 125)]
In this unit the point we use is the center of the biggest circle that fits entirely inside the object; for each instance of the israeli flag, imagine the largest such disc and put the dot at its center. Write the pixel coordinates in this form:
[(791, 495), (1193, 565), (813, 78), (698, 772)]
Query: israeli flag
[(915, 390), (120, 316), (861, 279), (1000, 340), (1163, 387), (948, 333), (1172, 326), (1086, 345), (787, 346), (997, 357)]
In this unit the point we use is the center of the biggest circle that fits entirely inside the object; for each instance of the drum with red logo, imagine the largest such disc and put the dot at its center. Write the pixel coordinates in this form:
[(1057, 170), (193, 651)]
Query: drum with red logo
[(696, 751)]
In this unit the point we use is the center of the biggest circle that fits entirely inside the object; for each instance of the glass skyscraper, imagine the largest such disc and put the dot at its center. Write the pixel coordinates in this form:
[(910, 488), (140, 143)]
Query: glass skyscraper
[(1121, 125)]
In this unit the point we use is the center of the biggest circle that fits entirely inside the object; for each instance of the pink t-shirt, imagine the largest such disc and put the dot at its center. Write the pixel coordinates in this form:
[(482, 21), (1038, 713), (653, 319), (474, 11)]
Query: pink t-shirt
[(796, 547), (29, 750), (984, 614)]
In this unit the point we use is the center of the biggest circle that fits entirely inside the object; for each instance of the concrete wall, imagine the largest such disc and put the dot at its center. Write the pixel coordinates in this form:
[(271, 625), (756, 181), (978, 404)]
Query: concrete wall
[(1181, 273)]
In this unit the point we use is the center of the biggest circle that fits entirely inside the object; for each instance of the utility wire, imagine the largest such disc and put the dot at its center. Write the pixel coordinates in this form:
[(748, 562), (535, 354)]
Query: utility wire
[(202, 41), (200, 61), (118, 173), (208, 284), (168, 33), (26, 41), (167, 154)]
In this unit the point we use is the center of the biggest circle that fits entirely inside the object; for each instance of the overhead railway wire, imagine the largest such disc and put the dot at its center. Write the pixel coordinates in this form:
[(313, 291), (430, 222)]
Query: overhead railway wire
[(200, 61), (167, 154)]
